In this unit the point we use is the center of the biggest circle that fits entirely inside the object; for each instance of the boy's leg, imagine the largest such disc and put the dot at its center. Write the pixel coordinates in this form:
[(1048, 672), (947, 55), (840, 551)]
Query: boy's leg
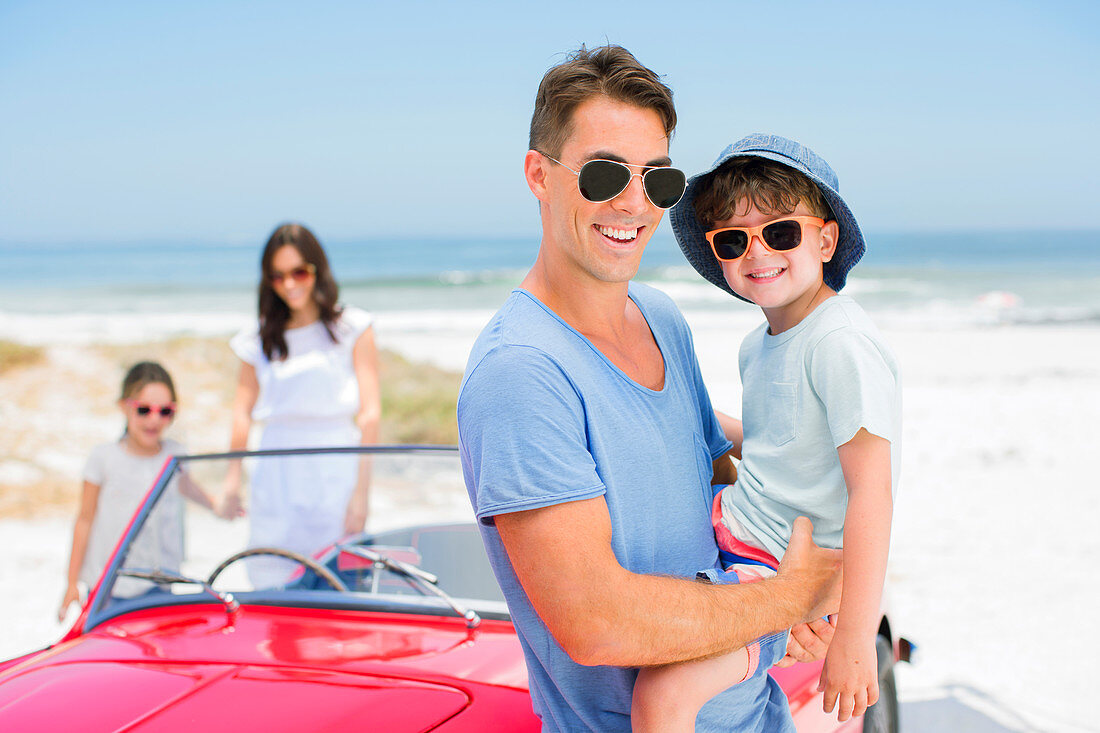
[(669, 698)]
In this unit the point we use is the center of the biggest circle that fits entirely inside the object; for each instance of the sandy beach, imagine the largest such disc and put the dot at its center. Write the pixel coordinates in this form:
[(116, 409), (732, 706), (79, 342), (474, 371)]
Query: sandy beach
[(994, 543)]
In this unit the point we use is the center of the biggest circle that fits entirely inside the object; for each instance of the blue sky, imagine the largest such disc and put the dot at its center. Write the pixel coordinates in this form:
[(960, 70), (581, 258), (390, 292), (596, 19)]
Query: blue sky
[(214, 121)]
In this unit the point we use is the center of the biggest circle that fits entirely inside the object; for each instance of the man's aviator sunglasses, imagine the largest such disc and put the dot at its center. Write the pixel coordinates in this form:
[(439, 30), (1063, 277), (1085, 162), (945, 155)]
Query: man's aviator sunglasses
[(603, 180), (781, 235)]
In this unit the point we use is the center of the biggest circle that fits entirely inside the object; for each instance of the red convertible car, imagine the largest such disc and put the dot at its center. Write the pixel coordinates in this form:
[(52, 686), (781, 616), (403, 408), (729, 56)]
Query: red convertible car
[(400, 629)]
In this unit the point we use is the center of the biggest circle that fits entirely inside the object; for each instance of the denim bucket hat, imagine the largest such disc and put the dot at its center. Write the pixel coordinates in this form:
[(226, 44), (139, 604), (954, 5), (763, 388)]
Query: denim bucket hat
[(693, 242)]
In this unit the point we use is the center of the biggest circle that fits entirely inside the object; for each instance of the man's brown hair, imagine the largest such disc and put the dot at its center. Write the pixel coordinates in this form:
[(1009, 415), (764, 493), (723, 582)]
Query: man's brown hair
[(773, 188), (610, 71)]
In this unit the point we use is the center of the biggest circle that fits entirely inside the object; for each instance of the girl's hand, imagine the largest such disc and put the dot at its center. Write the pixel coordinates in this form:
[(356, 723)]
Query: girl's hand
[(72, 595), (230, 506), (849, 678)]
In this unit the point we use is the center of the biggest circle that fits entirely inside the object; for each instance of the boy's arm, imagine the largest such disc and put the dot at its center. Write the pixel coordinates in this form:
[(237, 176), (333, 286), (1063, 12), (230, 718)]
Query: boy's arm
[(734, 431), (850, 676)]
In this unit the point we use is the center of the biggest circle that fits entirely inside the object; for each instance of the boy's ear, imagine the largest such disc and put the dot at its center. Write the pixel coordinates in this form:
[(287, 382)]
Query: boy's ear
[(830, 235)]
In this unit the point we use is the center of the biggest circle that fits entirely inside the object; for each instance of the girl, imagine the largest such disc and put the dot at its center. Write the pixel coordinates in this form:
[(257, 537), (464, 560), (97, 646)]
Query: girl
[(309, 370), (117, 477)]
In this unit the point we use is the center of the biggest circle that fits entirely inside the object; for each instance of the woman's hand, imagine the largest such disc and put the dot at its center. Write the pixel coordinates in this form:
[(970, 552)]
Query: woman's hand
[(355, 518), (230, 505)]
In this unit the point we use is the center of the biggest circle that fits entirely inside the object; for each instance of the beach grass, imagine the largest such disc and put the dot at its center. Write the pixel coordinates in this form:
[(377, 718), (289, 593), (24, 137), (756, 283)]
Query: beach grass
[(57, 403), (418, 401), (14, 355)]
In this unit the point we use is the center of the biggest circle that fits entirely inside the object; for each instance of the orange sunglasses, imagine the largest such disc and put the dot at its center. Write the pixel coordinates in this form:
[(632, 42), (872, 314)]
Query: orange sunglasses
[(780, 235)]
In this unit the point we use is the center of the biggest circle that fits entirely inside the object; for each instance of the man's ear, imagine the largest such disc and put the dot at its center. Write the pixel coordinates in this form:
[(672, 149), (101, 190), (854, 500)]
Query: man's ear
[(830, 235), (535, 166)]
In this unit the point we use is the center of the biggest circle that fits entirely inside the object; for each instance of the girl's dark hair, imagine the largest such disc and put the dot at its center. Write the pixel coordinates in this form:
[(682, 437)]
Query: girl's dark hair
[(143, 373), (273, 312)]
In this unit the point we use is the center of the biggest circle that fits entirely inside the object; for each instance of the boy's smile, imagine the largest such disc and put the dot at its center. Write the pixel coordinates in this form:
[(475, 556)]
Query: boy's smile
[(787, 285)]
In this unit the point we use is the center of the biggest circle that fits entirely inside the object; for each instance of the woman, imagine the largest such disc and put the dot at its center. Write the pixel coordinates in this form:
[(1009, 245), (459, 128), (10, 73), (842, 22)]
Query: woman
[(309, 371)]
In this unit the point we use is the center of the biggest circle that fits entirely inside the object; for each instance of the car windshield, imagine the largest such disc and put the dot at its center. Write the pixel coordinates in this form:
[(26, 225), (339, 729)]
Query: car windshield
[(291, 543)]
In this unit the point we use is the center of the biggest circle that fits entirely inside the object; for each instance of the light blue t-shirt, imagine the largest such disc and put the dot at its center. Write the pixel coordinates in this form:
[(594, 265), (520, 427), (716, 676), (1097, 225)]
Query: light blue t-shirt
[(545, 418), (808, 391)]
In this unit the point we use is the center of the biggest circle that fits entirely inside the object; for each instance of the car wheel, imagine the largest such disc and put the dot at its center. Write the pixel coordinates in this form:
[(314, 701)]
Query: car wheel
[(882, 717)]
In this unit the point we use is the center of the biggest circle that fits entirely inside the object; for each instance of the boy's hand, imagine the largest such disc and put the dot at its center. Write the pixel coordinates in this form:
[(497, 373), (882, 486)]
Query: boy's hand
[(809, 642), (849, 678)]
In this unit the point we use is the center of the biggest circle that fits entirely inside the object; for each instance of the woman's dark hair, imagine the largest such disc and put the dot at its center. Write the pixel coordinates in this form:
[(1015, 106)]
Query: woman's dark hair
[(273, 312), (143, 373)]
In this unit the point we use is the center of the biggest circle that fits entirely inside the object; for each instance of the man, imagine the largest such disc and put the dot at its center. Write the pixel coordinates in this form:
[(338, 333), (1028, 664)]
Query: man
[(588, 440)]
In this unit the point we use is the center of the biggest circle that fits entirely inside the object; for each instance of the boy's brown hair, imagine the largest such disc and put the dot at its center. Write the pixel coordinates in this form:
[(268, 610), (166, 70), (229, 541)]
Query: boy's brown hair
[(773, 188), (610, 71)]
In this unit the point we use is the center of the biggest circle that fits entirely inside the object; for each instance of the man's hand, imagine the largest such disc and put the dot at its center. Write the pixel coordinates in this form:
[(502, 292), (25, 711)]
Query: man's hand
[(815, 573), (849, 678), (809, 642)]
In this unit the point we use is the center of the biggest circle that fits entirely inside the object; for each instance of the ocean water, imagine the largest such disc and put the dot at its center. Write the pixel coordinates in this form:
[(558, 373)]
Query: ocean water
[(126, 291)]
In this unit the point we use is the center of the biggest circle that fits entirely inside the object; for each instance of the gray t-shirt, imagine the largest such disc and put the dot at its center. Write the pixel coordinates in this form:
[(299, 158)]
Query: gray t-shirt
[(545, 418), (808, 391), (124, 479)]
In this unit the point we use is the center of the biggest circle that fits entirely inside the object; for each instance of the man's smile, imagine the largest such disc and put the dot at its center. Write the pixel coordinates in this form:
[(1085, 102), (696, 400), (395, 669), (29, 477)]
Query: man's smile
[(618, 235)]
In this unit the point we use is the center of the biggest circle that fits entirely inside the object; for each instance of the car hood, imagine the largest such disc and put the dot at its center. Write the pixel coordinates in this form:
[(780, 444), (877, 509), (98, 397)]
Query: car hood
[(271, 669), (164, 696)]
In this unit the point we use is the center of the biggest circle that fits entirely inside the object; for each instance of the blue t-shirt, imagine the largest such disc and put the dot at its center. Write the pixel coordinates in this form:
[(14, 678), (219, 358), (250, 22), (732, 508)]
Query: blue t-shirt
[(545, 418)]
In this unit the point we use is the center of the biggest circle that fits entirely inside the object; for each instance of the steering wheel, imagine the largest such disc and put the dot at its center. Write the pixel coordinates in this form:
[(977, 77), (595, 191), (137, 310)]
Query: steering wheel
[(327, 575)]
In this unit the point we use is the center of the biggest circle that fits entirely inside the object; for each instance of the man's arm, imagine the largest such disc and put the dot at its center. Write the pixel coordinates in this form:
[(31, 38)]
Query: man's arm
[(601, 613)]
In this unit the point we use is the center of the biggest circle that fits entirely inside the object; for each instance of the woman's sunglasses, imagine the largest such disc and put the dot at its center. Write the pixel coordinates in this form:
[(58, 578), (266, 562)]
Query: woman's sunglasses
[(143, 409), (299, 274), (781, 235), (603, 180)]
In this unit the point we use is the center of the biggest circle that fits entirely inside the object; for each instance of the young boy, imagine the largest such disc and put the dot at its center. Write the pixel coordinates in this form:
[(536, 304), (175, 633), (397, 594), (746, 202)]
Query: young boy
[(821, 410)]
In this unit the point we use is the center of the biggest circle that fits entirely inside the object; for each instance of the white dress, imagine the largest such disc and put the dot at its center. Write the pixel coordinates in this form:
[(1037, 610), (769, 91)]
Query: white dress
[(309, 399)]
